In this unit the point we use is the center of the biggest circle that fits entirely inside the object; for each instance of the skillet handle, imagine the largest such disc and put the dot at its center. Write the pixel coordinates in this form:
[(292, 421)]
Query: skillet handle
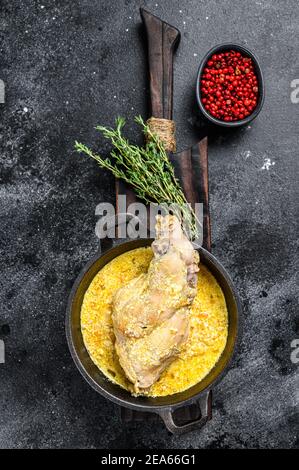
[(204, 404)]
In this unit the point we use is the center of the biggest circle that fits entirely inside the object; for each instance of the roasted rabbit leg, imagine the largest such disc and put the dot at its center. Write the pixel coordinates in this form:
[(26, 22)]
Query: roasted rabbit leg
[(151, 313)]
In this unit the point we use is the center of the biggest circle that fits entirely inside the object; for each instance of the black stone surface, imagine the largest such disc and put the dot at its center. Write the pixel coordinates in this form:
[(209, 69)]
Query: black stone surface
[(68, 66)]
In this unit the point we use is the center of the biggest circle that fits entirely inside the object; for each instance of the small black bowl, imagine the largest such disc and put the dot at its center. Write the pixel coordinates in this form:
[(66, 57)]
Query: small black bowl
[(258, 71)]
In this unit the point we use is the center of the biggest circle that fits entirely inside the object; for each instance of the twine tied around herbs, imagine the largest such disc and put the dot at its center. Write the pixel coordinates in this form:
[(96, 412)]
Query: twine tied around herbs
[(165, 130)]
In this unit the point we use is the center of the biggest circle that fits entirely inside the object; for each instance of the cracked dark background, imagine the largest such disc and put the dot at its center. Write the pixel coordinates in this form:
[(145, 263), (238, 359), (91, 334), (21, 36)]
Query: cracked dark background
[(68, 65)]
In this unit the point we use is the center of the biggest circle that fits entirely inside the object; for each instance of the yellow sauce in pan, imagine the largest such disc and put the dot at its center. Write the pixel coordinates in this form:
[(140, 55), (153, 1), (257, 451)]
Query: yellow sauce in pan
[(200, 353)]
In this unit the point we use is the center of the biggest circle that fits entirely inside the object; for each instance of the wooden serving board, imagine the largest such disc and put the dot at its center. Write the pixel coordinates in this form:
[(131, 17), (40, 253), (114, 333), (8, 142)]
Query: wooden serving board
[(191, 165)]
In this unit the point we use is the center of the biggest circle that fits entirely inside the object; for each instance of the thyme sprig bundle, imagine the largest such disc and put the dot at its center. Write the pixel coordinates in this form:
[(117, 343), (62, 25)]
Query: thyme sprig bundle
[(147, 169)]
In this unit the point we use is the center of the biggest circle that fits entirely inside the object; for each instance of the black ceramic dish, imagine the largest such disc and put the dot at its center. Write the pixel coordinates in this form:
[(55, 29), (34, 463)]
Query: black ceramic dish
[(261, 97), (164, 406)]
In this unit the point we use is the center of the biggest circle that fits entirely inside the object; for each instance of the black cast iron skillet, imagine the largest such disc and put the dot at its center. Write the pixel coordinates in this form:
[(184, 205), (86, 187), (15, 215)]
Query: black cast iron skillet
[(162, 39), (164, 406)]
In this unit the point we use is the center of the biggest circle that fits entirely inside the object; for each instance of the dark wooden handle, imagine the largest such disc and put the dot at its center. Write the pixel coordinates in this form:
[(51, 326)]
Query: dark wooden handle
[(191, 168), (204, 193), (162, 41)]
